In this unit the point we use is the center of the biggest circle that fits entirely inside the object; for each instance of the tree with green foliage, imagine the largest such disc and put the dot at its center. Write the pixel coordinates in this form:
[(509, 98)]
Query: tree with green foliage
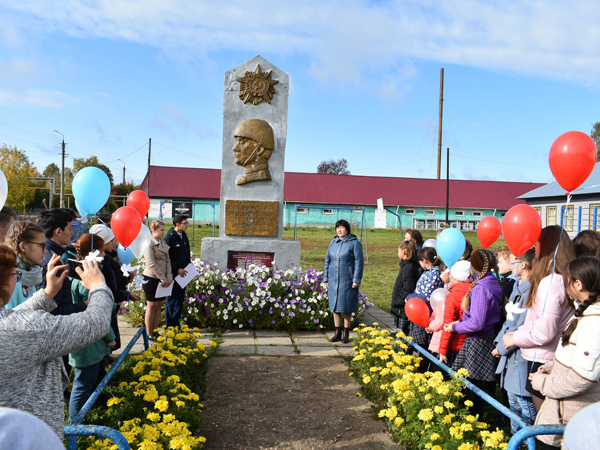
[(334, 167), (17, 169), (595, 134), (92, 161)]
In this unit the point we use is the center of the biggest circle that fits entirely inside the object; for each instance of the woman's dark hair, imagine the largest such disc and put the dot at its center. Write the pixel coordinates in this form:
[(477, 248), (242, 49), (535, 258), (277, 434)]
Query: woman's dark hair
[(21, 231), (8, 263), (104, 218), (86, 244), (72, 212), (544, 262), (415, 235), (587, 270), (468, 250), (52, 219), (489, 264), (343, 223), (429, 254), (409, 247), (587, 243)]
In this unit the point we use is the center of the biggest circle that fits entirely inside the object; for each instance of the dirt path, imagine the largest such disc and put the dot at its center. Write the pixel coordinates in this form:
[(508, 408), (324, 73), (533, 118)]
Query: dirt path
[(287, 403)]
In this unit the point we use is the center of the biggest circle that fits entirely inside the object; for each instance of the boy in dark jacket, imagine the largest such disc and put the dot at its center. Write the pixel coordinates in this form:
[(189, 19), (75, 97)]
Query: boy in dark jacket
[(405, 284), (179, 253)]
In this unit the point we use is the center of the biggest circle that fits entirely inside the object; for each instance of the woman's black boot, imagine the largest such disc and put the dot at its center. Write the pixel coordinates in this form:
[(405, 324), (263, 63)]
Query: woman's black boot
[(337, 337), (346, 338)]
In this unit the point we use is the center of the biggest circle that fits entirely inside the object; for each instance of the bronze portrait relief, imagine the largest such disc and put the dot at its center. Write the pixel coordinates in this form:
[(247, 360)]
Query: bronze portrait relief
[(255, 143)]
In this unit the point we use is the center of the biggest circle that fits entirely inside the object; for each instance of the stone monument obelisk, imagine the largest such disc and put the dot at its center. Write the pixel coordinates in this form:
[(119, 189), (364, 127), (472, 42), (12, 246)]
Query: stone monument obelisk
[(255, 108)]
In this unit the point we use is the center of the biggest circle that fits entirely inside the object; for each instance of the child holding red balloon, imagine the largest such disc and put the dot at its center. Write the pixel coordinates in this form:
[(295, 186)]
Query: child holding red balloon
[(548, 310), (451, 343), (481, 312), (405, 284)]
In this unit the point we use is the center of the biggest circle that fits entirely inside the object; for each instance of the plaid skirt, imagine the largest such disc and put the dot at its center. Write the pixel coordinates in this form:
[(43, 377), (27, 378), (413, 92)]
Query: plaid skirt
[(419, 335), (476, 356)]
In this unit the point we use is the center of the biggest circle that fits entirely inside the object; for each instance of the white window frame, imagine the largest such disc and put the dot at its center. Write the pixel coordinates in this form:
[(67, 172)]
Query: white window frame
[(459, 213), (410, 212), (429, 212), (358, 211), (477, 213), (328, 211), (302, 210)]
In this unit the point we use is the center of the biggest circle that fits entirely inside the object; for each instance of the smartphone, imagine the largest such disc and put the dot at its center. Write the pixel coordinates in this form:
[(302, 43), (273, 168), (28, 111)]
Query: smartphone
[(73, 263)]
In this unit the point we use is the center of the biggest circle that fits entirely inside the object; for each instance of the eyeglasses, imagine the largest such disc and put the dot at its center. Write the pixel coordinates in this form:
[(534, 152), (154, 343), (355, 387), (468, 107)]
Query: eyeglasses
[(41, 244), (18, 275)]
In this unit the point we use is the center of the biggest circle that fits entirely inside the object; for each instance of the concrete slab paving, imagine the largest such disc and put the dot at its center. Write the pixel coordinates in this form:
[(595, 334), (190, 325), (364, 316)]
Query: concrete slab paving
[(312, 341), (317, 351), (274, 340), (276, 350), (271, 333), (241, 340), (346, 350), (303, 334), (237, 350)]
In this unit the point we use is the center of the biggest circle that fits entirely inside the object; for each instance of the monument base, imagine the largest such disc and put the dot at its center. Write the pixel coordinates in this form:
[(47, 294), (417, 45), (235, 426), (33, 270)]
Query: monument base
[(222, 251)]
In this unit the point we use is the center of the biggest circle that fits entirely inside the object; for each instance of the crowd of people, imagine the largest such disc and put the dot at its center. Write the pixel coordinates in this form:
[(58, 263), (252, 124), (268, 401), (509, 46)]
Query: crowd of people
[(530, 324), (62, 287)]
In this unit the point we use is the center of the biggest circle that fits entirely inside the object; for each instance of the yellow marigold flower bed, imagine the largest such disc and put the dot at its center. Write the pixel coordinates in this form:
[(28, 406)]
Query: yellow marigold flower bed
[(422, 409), (155, 408)]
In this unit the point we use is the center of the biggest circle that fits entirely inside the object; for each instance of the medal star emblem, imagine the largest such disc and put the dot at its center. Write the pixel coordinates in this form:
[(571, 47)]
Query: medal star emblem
[(257, 86)]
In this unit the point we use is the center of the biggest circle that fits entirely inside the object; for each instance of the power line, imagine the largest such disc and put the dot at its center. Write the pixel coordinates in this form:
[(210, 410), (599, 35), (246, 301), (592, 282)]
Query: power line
[(456, 140), (417, 152), (123, 157), (186, 153)]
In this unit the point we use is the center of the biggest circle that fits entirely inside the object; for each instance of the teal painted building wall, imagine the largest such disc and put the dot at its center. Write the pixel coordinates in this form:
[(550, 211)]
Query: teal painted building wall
[(328, 215)]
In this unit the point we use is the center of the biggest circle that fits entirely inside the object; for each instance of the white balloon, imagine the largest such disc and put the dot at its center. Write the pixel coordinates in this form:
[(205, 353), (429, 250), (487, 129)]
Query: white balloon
[(3, 189), (141, 242), (430, 243)]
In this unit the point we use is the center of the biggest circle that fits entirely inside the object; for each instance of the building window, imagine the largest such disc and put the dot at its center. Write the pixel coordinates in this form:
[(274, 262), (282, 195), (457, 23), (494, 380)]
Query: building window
[(568, 218), (502, 214), (302, 210), (550, 215), (409, 212), (327, 211), (430, 212), (539, 210), (358, 211), (594, 210), (459, 213), (477, 213)]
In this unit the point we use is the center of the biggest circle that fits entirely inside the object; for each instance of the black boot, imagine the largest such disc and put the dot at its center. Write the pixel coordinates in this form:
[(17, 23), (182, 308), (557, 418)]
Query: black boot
[(346, 338), (338, 335)]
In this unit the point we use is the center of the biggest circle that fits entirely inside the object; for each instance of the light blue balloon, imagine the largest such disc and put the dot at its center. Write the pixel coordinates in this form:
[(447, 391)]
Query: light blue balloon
[(450, 246), (82, 212), (125, 255), (91, 189)]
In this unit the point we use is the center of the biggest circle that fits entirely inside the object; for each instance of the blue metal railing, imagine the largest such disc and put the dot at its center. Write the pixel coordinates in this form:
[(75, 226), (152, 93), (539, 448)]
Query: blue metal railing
[(77, 429), (527, 432)]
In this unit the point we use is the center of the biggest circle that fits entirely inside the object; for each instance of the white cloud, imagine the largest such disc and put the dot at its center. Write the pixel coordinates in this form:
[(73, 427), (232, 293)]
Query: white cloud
[(47, 98), (344, 41)]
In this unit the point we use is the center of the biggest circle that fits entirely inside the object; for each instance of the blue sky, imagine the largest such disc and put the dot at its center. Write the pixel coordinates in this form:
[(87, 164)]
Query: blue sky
[(364, 81)]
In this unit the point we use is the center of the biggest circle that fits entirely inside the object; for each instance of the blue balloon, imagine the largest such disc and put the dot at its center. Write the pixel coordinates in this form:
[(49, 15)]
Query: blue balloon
[(91, 189), (450, 246), (125, 255)]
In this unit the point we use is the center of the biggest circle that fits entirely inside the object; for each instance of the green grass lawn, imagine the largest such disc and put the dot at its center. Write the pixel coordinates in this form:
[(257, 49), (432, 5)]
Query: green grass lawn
[(379, 274)]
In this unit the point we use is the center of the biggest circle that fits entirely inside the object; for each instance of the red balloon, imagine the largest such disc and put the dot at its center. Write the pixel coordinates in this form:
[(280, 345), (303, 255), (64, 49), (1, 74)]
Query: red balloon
[(521, 227), (572, 159), (417, 311), (126, 223), (140, 201), (488, 231)]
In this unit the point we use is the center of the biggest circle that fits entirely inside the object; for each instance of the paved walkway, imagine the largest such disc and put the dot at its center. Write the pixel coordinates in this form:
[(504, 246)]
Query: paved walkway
[(273, 343)]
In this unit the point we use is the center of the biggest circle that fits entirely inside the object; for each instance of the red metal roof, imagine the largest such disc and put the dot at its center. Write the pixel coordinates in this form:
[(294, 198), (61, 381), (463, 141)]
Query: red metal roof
[(176, 182)]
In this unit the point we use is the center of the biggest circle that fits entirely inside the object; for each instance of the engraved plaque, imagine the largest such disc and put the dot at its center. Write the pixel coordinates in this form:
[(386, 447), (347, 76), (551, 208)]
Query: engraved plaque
[(245, 259), (250, 218)]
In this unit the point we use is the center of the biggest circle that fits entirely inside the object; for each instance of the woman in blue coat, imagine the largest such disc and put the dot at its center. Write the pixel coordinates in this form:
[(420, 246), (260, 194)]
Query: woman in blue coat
[(342, 274)]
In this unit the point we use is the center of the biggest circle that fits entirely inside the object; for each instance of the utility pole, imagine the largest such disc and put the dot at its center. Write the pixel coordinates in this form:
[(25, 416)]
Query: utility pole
[(123, 169), (148, 174), (439, 167), (62, 171)]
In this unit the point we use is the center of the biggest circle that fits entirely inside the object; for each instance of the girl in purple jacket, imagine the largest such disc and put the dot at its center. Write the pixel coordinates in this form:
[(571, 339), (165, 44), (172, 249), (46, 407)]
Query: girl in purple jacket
[(481, 308)]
